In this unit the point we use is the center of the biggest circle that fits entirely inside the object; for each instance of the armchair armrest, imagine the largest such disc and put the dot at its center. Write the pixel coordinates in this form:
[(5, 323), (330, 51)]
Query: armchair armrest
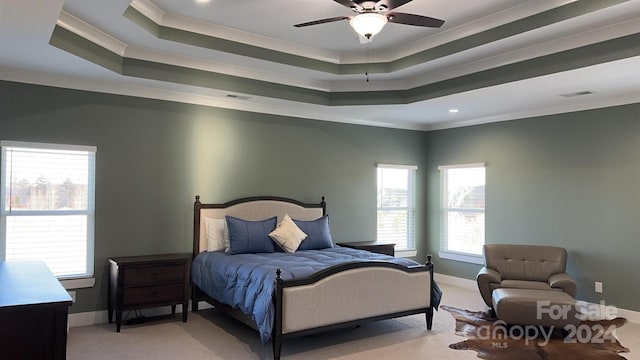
[(489, 275), (484, 278), (564, 282)]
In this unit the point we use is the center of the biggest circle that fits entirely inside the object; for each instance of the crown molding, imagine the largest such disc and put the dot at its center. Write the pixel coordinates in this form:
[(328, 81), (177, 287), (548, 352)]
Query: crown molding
[(462, 31), (149, 9), (168, 20), (610, 50), (196, 33), (442, 69), (89, 32), (225, 68)]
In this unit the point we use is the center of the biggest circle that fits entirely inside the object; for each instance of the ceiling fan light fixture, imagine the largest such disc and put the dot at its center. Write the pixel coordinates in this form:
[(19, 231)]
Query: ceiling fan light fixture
[(368, 24)]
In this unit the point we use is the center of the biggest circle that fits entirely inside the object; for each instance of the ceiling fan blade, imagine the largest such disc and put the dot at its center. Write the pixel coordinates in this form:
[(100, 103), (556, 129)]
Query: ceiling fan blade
[(323, 21), (348, 3), (391, 4), (412, 19)]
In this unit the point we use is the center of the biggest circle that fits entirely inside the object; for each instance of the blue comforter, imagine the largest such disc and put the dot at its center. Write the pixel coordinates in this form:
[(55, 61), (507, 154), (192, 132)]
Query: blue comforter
[(246, 281)]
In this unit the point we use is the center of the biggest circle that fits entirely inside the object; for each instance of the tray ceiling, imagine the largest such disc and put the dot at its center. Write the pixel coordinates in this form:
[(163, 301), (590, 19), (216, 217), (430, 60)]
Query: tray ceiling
[(492, 60)]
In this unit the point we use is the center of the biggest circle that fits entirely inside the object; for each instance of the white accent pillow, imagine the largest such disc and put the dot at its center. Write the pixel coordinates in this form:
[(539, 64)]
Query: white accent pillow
[(287, 234), (217, 234)]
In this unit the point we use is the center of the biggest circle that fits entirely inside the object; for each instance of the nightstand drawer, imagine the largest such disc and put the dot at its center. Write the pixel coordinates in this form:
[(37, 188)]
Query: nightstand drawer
[(153, 294), (153, 274)]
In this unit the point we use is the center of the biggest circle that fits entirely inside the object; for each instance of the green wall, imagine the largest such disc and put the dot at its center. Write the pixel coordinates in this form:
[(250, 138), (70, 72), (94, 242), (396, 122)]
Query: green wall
[(154, 156), (569, 180)]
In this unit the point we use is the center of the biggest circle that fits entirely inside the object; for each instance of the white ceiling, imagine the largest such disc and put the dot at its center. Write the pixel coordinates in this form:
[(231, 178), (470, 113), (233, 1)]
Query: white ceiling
[(26, 28)]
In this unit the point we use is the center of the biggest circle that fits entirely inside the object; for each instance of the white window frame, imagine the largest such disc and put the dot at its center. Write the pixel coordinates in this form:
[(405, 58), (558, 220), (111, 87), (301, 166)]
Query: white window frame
[(410, 250), (84, 279), (444, 252)]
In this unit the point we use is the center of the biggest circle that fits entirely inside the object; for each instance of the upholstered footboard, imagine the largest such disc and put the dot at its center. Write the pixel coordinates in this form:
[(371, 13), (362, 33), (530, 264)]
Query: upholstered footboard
[(350, 294)]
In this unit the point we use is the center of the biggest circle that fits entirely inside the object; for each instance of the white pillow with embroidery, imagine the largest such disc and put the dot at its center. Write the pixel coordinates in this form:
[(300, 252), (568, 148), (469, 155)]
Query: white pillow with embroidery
[(217, 234), (288, 235)]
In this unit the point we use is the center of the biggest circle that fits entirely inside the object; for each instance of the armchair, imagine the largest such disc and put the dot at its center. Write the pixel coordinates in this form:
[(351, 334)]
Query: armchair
[(532, 267)]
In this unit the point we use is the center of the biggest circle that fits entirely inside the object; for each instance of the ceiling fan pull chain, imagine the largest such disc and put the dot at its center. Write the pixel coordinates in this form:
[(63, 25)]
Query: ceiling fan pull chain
[(366, 65)]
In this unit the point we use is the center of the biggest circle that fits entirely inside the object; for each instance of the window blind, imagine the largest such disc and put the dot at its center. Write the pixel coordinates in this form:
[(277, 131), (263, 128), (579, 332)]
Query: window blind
[(47, 206), (463, 209), (396, 205)]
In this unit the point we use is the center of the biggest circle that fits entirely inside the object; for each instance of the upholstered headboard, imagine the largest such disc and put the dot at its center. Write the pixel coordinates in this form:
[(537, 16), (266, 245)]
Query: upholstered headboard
[(251, 208)]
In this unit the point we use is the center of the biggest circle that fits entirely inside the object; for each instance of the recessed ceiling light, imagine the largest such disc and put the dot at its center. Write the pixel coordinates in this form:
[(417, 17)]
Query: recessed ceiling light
[(203, 1), (454, 111)]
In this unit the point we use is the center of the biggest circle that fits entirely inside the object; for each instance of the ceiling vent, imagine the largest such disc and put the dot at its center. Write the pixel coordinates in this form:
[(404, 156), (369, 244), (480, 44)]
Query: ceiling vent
[(238, 97), (578, 93)]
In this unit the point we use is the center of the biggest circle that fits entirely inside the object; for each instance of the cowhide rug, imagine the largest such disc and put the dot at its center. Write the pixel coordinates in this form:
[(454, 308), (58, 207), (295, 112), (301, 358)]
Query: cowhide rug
[(491, 339)]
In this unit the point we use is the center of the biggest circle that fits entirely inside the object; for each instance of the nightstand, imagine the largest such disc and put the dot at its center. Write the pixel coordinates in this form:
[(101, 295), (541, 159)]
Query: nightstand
[(137, 282), (380, 248)]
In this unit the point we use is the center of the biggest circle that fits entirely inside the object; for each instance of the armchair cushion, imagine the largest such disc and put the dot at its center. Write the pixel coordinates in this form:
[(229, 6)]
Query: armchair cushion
[(523, 284)]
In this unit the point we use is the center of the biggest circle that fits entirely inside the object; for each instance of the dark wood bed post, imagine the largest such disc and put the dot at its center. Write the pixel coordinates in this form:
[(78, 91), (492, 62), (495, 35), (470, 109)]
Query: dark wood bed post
[(196, 248), (196, 226), (276, 336), (324, 207), (429, 312)]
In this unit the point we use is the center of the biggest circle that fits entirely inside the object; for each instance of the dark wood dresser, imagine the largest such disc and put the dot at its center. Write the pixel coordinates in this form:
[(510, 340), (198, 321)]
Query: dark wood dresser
[(33, 312), (137, 282), (380, 248)]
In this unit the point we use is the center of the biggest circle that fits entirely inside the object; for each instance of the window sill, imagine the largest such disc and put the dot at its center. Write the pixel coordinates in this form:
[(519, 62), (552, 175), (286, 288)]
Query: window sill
[(463, 257), (78, 283)]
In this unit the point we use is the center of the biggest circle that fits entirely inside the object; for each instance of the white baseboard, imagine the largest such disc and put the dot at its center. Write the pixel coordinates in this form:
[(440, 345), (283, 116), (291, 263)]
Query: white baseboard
[(87, 318), (630, 315), (455, 281), (101, 317)]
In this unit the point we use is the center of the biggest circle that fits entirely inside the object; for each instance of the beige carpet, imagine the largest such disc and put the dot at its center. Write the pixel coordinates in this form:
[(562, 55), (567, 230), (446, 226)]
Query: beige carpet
[(210, 335)]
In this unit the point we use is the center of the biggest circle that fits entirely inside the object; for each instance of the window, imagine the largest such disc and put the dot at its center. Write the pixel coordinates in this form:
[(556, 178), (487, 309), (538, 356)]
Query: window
[(47, 206), (462, 212), (396, 206)]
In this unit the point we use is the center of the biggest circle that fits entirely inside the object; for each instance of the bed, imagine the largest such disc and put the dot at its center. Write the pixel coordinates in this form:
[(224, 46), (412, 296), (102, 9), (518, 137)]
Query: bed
[(285, 290)]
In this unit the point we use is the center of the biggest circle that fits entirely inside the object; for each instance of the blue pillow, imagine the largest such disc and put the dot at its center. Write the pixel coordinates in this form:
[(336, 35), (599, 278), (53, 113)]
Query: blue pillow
[(319, 236), (250, 236)]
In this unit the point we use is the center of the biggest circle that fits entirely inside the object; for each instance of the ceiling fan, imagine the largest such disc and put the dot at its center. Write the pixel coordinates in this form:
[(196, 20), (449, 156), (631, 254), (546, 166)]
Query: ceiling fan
[(372, 16)]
